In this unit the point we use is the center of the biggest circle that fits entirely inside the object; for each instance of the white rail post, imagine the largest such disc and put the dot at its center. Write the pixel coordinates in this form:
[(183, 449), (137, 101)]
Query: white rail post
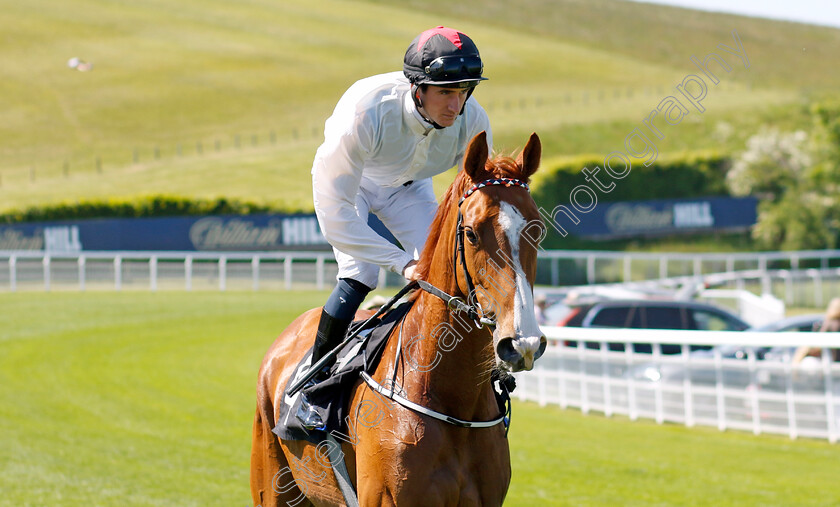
[(584, 391), (188, 272), (663, 267), (719, 396), (754, 400), (688, 392), (563, 373), (82, 276), (13, 273), (153, 273), (222, 273), (632, 408), (766, 285), (605, 378), (319, 272), (818, 290), (555, 271), (789, 295), (118, 272), (287, 272), (830, 411), (46, 263), (590, 269), (255, 273), (790, 399), (657, 360)]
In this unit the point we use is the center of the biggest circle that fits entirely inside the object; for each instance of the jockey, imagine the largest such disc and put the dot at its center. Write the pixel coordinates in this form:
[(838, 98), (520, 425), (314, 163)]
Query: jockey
[(388, 135)]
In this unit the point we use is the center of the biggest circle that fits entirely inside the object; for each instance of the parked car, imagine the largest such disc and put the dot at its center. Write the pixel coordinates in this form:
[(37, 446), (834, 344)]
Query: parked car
[(651, 314), (741, 384), (796, 324), (705, 373)]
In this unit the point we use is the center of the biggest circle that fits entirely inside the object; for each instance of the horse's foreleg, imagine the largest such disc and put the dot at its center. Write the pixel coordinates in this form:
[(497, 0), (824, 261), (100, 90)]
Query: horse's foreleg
[(272, 482)]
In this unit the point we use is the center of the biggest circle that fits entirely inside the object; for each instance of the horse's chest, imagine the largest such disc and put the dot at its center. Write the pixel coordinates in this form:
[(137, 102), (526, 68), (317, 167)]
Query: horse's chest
[(450, 468)]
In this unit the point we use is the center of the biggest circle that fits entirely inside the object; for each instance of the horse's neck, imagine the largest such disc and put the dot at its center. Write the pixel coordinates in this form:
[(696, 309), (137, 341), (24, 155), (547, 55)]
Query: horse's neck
[(445, 360)]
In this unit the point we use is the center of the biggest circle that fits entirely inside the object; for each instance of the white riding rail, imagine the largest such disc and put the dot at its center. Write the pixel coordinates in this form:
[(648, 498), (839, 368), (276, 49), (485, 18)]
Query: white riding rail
[(743, 393)]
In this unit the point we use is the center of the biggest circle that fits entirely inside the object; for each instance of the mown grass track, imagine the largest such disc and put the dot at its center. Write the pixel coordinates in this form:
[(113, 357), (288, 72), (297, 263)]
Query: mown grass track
[(139, 398)]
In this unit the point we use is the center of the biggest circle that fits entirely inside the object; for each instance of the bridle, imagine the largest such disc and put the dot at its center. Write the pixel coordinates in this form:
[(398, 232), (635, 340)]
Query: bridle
[(476, 313), (473, 310)]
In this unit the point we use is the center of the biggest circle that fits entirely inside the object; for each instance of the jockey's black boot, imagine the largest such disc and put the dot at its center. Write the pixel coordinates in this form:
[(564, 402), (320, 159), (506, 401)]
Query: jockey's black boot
[(336, 316), (330, 333)]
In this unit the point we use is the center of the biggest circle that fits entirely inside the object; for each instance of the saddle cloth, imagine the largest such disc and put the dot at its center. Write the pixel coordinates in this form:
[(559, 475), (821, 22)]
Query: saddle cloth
[(332, 396)]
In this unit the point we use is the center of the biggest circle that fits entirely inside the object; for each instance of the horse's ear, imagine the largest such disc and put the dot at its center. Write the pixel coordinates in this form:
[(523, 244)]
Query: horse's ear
[(476, 156), (529, 160)]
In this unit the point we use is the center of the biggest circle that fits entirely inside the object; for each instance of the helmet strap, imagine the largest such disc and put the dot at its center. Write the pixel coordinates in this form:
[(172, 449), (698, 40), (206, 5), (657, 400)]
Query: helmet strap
[(469, 94), (415, 89), (415, 97)]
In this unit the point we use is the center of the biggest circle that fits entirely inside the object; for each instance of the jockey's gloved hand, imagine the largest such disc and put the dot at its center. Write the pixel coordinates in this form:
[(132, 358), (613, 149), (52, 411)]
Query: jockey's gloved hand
[(409, 272)]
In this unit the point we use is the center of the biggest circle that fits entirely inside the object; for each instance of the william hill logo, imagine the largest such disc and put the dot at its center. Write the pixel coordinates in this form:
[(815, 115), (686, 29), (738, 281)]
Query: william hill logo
[(214, 233), (625, 217)]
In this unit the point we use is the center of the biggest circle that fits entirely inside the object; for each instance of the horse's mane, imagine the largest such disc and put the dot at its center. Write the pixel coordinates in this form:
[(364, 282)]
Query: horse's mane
[(501, 166)]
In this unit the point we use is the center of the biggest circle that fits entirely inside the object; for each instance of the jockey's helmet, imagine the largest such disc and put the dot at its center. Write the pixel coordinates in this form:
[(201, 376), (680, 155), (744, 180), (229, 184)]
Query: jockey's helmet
[(443, 57)]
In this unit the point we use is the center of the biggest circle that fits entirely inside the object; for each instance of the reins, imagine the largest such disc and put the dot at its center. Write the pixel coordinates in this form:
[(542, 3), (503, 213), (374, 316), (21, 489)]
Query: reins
[(458, 304), (475, 313), (393, 395), (327, 358)]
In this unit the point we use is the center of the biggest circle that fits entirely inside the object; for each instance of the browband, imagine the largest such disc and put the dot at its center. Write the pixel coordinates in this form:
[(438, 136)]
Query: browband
[(508, 182)]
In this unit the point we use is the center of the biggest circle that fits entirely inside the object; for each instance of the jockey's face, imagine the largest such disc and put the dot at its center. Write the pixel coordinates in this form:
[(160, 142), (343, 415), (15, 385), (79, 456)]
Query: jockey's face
[(442, 105)]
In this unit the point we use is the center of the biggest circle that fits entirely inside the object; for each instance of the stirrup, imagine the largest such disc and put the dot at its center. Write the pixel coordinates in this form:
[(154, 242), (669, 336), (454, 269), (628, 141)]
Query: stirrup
[(306, 413)]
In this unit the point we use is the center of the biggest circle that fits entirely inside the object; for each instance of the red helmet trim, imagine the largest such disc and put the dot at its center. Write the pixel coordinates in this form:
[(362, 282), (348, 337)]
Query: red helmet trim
[(451, 35)]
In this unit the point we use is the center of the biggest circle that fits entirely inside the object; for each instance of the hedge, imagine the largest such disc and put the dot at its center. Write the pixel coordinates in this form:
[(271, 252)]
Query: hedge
[(152, 206), (694, 174), (686, 175)]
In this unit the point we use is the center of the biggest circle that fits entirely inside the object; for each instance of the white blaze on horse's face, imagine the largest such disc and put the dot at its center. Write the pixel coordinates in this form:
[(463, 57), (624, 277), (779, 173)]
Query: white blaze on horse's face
[(519, 347)]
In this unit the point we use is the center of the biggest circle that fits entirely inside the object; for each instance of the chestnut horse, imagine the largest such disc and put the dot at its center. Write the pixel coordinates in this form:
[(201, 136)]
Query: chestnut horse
[(482, 248)]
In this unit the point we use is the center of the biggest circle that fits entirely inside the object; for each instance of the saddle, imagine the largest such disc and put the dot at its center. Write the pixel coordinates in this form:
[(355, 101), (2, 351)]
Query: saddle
[(331, 397)]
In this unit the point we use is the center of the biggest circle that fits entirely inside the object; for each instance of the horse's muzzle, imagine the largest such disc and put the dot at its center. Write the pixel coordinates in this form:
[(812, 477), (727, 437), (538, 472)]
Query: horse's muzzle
[(518, 354)]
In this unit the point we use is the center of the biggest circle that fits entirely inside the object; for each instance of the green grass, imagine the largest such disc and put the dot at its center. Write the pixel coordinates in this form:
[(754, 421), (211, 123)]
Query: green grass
[(782, 54), (175, 85), (132, 399), (566, 458), (140, 398)]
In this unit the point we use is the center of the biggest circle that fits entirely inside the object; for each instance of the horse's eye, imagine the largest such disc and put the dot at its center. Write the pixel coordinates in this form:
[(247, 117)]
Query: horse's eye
[(471, 237)]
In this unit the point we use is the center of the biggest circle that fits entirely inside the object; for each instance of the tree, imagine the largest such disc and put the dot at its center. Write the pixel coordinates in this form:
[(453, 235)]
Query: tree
[(797, 177), (773, 164)]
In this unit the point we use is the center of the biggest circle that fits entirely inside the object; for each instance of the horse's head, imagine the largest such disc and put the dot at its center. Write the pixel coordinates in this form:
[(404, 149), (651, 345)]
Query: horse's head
[(499, 231)]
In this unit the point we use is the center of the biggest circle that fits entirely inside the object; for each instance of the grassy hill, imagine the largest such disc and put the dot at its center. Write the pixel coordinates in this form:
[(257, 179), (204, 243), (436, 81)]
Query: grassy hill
[(208, 97), (783, 54)]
